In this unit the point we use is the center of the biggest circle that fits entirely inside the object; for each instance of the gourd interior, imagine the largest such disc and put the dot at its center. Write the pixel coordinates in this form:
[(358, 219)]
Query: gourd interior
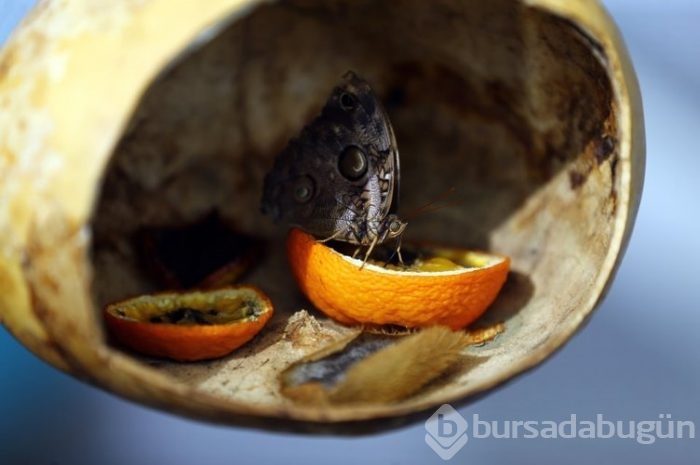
[(507, 108)]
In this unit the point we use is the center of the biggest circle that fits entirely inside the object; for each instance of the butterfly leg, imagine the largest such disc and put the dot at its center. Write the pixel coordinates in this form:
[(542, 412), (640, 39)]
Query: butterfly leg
[(335, 234), (369, 251), (396, 253)]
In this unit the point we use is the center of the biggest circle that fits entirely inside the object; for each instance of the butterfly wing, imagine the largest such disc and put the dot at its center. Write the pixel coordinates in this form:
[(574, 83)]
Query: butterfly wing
[(338, 178)]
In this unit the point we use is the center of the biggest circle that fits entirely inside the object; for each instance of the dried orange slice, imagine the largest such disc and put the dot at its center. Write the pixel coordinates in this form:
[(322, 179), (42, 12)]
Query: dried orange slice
[(189, 326), (444, 286)]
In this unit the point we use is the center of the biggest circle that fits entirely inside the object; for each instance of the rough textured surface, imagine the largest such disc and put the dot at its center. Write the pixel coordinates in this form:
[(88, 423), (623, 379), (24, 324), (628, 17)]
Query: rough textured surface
[(528, 109)]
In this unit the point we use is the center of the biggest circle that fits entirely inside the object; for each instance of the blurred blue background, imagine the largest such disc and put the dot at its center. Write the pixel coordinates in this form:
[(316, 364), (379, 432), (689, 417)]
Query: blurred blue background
[(637, 359)]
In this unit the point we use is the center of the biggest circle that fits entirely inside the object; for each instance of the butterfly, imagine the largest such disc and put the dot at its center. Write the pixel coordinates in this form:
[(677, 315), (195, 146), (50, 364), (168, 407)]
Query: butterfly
[(339, 178)]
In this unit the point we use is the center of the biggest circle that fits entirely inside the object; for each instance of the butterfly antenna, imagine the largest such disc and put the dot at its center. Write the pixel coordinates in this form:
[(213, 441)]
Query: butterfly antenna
[(434, 205)]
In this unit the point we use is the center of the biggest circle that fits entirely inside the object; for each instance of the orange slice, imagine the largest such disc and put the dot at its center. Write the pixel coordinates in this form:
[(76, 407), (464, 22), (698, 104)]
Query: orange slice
[(445, 286), (189, 326)]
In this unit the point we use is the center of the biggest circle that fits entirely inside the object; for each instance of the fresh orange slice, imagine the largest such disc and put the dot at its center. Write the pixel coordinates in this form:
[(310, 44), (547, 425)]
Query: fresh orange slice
[(444, 286), (189, 326)]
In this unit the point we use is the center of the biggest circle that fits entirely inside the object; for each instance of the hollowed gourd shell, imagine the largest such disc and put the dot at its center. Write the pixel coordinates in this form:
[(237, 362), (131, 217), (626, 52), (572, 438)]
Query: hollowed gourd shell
[(147, 114)]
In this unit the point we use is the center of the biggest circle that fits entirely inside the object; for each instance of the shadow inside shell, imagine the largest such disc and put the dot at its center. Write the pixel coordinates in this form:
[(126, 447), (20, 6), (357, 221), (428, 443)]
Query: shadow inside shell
[(514, 296)]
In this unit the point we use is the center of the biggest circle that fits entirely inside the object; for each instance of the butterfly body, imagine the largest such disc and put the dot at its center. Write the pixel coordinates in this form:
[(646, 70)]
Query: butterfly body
[(339, 178)]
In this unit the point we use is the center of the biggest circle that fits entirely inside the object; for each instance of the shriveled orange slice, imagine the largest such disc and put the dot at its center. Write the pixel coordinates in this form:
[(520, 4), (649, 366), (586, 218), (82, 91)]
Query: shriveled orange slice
[(443, 286), (189, 326)]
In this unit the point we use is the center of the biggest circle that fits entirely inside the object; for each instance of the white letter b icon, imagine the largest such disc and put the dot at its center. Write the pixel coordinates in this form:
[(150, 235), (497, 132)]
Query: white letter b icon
[(446, 432), (441, 427)]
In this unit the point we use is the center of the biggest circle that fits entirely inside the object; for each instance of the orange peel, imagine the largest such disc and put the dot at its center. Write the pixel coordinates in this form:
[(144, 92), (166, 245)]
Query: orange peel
[(189, 326), (451, 287)]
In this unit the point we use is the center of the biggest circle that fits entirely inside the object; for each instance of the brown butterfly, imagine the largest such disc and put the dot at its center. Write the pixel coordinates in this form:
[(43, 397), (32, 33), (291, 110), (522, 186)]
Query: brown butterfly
[(339, 179)]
